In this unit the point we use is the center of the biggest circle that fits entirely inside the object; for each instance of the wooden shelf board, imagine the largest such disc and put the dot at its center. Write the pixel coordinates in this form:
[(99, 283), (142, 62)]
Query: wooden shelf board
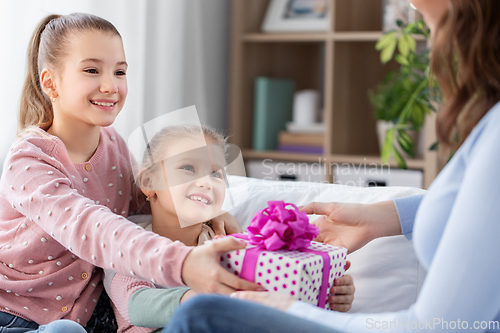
[(333, 159), (281, 156), (348, 36), (363, 36), (285, 37), (372, 160)]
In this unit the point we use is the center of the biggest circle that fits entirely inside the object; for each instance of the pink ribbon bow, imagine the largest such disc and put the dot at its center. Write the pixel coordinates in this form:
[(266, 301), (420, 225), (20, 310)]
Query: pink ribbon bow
[(281, 226)]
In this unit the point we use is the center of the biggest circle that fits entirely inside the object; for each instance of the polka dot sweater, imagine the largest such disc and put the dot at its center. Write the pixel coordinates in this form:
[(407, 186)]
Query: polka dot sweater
[(59, 220)]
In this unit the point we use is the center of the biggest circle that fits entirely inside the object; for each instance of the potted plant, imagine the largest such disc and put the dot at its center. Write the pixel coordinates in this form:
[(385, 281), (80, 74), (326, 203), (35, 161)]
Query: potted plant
[(405, 95)]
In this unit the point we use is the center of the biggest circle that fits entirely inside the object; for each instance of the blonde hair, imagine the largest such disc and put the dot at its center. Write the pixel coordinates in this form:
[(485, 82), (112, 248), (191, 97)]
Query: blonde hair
[(47, 48), (157, 147)]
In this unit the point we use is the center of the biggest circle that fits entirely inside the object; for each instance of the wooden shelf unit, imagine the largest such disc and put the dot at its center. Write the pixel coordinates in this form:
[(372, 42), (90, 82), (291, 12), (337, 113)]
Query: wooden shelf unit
[(341, 63)]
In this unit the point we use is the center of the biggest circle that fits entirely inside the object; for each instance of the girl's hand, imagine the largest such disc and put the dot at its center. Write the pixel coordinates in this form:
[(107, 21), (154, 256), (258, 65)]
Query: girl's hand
[(202, 271), (225, 224), (342, 294), (271, 299), (354, 225)]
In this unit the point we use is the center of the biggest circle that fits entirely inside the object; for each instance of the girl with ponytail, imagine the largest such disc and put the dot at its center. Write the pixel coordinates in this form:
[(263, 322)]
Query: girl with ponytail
[(66, 186)]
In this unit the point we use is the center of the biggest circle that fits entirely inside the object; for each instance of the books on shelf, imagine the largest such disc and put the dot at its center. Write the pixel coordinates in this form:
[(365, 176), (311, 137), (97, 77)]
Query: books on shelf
[(291, 138), (305, 128), (300, 143), (273, 103), (301, 149)]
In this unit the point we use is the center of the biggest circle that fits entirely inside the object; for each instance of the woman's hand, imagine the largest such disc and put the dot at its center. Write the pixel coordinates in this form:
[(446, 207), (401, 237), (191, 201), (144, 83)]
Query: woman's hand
[(202, 271), (225, 224), (342, 292), (354, 225), (271, 299)]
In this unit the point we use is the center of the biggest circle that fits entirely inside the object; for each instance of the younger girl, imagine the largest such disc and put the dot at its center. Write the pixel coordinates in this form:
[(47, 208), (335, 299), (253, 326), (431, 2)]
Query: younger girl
[(181, 186), (65, 187)]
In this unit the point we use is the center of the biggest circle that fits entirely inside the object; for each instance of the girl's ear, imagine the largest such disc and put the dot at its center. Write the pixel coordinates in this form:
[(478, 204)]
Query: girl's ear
[(47, 83), (145, 179)]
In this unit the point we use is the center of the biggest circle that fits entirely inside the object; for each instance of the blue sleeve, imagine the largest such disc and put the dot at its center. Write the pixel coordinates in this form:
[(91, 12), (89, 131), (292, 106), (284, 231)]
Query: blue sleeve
[(407, 209)]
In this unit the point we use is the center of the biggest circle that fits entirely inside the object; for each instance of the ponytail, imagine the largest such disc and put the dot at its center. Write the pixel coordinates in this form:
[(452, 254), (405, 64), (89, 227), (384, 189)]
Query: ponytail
[(46, 50), (35, 108)]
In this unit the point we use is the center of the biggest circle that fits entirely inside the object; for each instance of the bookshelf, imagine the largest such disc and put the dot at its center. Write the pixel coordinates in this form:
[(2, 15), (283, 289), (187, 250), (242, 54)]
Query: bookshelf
[(341, 63)]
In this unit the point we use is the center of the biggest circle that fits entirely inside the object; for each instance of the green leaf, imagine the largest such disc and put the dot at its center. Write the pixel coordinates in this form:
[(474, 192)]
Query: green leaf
[(388, 51), (399, 159), (401, 60), (434, 146), (403, 128), (388, 144), (412, 43), (407, 84), (405, 136), (411, 58), (403, 45), (385, 40), (406, 143), (417, 116)]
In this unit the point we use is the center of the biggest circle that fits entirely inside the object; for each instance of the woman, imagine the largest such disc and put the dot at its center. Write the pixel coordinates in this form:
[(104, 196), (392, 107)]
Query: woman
[(454, 227)]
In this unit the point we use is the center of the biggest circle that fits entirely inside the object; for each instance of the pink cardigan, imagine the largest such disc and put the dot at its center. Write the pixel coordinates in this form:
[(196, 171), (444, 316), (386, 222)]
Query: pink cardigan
[(59, 219)]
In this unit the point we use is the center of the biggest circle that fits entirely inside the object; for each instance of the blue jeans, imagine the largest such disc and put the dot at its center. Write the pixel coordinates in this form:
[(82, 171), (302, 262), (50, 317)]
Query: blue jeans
[(13, 324), (221, 314)]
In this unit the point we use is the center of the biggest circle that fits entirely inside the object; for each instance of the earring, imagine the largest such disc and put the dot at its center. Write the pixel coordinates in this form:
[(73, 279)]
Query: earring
[(53, 99), (147, 198)]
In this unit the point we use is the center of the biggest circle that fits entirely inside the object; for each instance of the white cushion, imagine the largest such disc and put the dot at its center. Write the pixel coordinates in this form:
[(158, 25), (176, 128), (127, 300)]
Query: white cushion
[(386, 272)]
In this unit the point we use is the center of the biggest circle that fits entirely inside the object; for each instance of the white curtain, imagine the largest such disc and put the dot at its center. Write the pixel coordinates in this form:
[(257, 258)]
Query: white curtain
[(177, 52)]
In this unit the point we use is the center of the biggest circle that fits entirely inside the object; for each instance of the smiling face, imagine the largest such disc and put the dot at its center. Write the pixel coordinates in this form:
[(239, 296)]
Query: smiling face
[(195, 186), (91, 85)]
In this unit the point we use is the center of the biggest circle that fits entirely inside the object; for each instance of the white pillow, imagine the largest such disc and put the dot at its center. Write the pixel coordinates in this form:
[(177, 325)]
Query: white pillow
[(386, 272)]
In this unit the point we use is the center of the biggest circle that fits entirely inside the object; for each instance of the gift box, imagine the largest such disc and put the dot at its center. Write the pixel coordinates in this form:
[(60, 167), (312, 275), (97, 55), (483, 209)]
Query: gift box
[(281, 256)]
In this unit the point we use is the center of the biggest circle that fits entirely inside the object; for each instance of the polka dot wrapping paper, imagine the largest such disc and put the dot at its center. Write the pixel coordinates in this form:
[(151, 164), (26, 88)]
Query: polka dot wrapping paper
[(295, 273)]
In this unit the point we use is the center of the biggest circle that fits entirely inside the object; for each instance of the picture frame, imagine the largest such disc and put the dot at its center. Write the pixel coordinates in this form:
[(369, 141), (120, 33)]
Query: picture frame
[(297, 16)]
